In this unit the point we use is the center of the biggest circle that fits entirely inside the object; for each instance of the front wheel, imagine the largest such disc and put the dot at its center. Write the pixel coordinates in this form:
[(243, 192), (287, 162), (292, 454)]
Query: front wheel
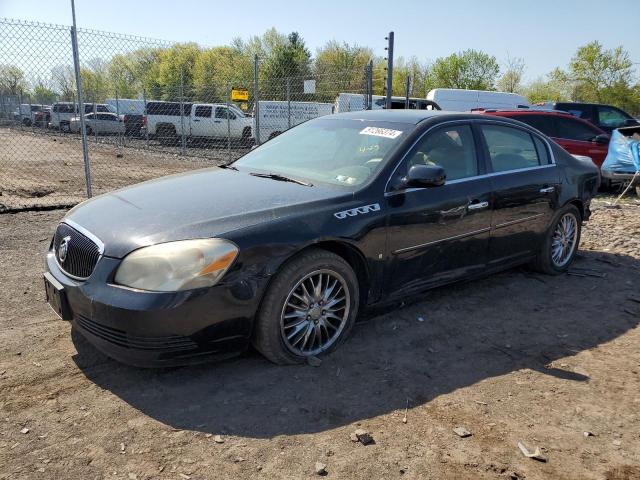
[(308, 309), (561, 242)]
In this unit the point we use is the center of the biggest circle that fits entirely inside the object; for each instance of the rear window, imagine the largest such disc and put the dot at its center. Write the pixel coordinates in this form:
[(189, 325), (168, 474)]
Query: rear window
[(168, 108), (510, 148), (543, 123), (63, 108)]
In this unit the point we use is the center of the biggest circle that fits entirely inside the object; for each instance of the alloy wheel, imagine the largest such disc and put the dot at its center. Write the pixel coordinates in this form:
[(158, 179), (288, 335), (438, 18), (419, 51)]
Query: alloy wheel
[(315, 312), (564, 239)]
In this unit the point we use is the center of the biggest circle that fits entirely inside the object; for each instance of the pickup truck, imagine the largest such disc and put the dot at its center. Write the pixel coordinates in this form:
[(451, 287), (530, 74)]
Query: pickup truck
[(166, 122)]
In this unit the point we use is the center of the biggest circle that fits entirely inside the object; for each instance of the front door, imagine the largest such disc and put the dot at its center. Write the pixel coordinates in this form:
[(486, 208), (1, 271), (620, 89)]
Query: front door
[(202, 123), (440, 233), (526, 183)]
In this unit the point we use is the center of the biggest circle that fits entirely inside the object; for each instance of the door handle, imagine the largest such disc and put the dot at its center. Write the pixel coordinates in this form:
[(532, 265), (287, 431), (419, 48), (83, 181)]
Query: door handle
[(548, 190), (217, 121), (478, 205), (196, 120)]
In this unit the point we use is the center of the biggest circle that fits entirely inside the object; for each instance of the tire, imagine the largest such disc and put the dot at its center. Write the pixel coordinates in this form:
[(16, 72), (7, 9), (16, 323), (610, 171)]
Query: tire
[(89, 131), (26, 122), (546, 262), (274, 135), (167, 135), (272, 326), (65, 127), (638, 192)]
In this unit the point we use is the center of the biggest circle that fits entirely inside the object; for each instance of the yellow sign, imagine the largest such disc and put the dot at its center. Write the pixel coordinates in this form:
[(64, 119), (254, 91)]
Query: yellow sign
[(239, 94)]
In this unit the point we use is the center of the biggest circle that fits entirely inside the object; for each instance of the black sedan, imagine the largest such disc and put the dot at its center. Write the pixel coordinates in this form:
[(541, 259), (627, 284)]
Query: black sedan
[(282, 248)]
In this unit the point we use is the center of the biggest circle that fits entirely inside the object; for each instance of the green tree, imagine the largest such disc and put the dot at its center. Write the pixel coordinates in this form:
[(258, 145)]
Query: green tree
[(340, 67), (595, 71), (12, 80), (175, 70), (42, 92), (470, 69), (219, 68), (287, 62), (95, 82)]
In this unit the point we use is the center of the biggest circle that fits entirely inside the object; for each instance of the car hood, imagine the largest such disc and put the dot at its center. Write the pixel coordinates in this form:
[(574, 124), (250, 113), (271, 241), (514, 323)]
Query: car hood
[(199, 204)]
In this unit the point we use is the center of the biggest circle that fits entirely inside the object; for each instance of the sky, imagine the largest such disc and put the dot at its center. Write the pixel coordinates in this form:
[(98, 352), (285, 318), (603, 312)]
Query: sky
[(545, 33)]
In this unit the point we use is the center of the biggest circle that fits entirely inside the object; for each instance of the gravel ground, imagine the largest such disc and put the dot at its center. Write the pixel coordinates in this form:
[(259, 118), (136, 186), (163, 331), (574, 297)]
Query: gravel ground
[(45, 168), (515, 357)]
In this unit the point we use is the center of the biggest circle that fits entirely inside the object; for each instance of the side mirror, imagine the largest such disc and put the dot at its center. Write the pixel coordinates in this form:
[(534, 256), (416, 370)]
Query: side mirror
[(602, 139), (425, 176)]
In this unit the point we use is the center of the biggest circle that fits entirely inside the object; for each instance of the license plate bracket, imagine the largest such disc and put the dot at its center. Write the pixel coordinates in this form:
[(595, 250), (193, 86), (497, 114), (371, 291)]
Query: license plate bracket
[(57, 297)]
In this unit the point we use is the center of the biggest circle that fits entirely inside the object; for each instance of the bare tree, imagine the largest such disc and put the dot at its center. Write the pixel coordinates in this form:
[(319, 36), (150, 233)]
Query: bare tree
[(511, 79)]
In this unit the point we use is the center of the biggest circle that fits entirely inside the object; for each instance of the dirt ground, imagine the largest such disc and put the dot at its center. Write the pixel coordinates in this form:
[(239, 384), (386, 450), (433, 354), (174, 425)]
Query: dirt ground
[(516, 357), (44, 168)]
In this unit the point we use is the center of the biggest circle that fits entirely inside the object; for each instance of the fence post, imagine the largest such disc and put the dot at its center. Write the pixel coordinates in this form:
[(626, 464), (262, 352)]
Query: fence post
[(370, 85), (95, 119), (183, 140), (146, 127), (120, 135), (256, 100), (228, 123), (76, 67), (389, 70), (407, 86), (288, 102)]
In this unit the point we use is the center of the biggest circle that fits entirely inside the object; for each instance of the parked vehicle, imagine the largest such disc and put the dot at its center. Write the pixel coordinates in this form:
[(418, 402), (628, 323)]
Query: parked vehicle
[(352, 102), (576, 136), (63, 112), (459, 100), (198, 120), (284, 247), (606, 117), (25, 113), (131, 111), (275, 117), (42, 117), (99, 123)]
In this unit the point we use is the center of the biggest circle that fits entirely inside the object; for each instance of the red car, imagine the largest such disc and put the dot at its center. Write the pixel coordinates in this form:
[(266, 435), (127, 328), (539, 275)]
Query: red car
[(575, 135)]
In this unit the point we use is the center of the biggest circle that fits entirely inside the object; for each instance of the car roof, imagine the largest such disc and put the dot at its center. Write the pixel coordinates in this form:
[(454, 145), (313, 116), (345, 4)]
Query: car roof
[(555, 113), (400, 116)]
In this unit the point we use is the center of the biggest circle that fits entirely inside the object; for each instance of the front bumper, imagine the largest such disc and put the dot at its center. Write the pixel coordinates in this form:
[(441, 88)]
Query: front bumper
[(155, 329)]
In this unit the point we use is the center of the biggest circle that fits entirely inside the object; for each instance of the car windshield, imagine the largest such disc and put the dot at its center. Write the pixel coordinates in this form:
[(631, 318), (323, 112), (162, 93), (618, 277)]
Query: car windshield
[(340, 152)]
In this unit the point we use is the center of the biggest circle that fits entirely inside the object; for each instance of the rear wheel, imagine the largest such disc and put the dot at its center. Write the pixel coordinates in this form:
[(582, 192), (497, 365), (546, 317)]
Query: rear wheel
[(88, 130), (308, 309), (167, 135), (561, 242)]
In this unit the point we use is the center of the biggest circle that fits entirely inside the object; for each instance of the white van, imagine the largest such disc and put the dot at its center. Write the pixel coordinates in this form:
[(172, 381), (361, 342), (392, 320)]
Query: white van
[(277, 116), (459, 100)]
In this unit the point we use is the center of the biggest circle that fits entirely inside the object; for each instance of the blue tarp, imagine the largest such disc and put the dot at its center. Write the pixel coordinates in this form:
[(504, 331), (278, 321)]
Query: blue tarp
[(623, 155)]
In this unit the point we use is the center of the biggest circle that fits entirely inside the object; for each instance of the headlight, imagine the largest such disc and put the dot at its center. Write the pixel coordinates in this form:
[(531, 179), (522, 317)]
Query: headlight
[(174, 266)]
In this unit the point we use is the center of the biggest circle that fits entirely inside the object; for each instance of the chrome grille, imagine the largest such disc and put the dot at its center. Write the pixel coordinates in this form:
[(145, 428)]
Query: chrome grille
[(82, 252)]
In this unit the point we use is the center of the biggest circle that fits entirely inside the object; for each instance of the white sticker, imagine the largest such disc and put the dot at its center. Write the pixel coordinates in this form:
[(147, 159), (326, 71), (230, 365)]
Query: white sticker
[(381, 132)]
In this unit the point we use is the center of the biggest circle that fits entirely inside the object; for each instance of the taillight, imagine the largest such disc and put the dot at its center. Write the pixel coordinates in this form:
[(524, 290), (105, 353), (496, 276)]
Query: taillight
[(144, 120)]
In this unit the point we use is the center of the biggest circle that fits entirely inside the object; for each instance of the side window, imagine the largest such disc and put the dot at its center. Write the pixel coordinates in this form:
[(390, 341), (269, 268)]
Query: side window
[(452, 148), (611, 117), (203, 111), (223, 112), (581, 111), (543, 123), (575, 130), (88, 108), (89, 116), (510, 148), (543, 151)]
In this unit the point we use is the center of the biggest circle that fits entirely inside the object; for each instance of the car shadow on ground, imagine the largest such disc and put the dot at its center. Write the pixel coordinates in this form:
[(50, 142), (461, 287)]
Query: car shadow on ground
[(446, 339)]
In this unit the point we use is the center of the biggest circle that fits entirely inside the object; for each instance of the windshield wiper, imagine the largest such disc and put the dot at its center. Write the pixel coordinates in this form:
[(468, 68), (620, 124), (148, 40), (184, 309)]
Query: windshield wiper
[(282, 178), (228, 167)]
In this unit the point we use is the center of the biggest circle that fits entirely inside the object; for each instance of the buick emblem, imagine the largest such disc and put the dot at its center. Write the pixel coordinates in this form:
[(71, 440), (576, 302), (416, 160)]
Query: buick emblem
[(63, 248)]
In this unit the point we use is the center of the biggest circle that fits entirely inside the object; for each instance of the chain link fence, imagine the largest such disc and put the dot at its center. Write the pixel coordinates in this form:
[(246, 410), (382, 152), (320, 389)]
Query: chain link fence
[(146, 114)]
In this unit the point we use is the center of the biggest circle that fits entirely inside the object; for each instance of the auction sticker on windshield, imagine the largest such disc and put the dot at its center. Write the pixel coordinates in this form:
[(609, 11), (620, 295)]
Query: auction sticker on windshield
[(381, 132)]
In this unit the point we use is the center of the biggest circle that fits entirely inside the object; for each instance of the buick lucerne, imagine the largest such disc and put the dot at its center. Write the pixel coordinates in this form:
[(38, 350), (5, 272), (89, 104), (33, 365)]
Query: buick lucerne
[(282, 248)]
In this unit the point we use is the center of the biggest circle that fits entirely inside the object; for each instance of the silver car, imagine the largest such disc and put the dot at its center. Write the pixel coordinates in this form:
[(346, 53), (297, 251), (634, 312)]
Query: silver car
[(99, 123)]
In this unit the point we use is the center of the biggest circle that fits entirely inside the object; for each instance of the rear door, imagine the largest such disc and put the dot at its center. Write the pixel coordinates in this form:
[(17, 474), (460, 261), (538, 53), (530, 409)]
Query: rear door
[(526, 183), (202, 121), (440, 233)]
